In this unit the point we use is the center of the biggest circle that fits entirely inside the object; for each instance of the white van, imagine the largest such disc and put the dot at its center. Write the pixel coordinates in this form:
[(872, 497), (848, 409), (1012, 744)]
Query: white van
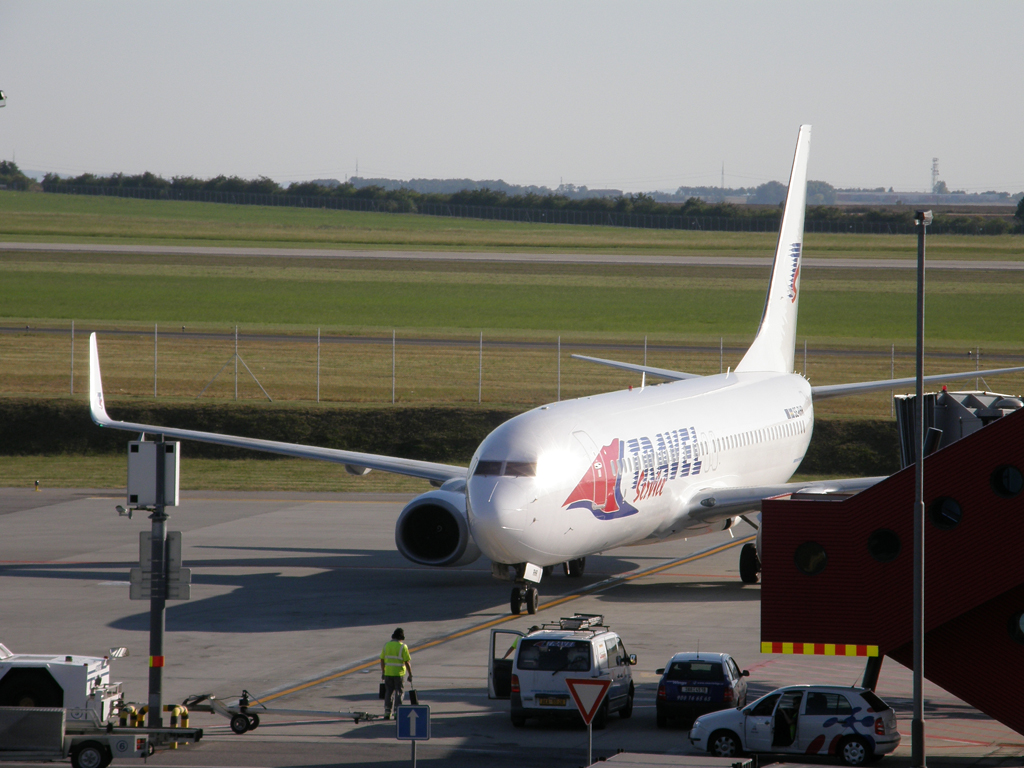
[(530, 668)]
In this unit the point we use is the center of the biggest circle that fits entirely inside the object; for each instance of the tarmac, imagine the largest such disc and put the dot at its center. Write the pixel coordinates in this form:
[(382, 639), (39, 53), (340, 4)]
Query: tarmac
[(499, 256), (293, 595)]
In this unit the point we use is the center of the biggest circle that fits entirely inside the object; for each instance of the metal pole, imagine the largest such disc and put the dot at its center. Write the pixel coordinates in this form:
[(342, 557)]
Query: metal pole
[(805, 358), (645, 351), (414, 753), (154, 358), (236, 362), (392, 367), (721, 354), (480, 384), (590, 743), (318, 365), (559, 369), (922, 219), (892, 375), (157, 600), (73, 357)]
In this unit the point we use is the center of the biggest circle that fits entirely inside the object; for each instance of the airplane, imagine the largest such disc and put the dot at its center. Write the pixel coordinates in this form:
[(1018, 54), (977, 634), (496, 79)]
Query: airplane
[(573, 478)]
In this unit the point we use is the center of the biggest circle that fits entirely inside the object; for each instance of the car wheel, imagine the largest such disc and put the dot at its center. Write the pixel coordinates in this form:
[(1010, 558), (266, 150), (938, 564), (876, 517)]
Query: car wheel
[(724, 744), (627, 711), (91, 754), (854, 751), (662, 718)]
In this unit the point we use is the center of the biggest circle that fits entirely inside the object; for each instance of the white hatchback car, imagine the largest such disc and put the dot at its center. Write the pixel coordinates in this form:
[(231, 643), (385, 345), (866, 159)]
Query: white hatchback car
[(852, 724)]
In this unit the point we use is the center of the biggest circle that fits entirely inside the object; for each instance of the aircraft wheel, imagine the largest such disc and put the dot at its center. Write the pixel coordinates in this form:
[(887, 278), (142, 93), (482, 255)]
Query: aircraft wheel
[(532, 599), (516, 601), (254, 722), (750, 566)]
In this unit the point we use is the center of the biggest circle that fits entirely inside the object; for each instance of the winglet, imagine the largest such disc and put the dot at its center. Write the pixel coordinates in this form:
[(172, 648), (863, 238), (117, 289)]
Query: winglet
[(96, 406)]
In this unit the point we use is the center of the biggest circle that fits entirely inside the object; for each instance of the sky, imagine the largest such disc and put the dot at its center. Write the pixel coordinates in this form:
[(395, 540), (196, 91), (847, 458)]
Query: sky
[(635, 95)]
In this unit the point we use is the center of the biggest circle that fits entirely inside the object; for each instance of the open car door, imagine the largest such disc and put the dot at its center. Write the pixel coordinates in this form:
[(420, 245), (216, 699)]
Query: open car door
[(499, 668)]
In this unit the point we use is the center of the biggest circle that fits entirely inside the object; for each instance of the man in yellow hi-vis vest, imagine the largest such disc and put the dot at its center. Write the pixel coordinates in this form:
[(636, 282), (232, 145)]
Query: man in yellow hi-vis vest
[(394, 659)]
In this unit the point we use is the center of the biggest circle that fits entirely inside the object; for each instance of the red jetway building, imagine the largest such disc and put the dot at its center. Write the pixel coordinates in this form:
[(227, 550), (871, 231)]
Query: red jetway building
[(837, 575)]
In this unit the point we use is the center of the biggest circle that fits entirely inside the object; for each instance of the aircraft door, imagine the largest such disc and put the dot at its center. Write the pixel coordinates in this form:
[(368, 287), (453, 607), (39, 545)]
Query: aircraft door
[(598, 483), (499, 664)]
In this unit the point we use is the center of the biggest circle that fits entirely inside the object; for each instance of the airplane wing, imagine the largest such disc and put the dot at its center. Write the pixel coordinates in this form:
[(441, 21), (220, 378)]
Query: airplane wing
[(663, 373), (860, 387), (711, 504), (355, 462)]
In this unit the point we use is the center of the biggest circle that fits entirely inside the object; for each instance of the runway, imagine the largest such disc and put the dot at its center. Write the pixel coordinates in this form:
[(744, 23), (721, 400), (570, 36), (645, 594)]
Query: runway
[(508, 258), (294, 594)]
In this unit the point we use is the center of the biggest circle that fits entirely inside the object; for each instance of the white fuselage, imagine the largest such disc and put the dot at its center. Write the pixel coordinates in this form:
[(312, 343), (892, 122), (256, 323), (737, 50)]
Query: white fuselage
[(578, 477)]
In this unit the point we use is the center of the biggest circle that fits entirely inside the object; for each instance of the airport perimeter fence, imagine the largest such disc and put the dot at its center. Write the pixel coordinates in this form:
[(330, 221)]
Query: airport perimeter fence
[(408, 369), (961, 225)]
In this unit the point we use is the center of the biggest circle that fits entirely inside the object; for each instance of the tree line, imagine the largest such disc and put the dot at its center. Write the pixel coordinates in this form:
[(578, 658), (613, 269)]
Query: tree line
[(405, 200)]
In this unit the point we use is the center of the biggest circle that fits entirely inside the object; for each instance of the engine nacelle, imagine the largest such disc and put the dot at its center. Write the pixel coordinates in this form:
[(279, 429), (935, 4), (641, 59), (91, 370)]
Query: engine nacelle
[(433, 529)]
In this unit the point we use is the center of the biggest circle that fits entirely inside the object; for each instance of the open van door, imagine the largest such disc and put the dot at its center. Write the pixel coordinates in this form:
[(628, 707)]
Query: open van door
[(499, 668)]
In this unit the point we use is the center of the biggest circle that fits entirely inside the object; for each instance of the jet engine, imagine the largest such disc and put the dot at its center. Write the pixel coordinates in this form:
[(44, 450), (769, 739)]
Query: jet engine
[(433, 529)]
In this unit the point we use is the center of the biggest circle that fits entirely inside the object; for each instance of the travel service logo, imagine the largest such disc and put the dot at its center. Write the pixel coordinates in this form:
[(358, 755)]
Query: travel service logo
[(794, 270), (644, 465)]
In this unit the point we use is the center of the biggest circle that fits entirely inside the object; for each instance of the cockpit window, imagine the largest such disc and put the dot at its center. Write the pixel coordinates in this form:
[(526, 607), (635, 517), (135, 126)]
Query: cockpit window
[(487, 468), (520, 469), (506, 468)]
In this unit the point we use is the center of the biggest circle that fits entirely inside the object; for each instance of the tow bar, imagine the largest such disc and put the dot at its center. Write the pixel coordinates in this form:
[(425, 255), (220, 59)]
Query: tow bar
[(245, 715)]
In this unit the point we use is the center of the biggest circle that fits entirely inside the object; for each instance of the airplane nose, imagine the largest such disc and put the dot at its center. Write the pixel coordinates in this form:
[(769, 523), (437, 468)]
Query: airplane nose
[(505, 505), (498, 518)]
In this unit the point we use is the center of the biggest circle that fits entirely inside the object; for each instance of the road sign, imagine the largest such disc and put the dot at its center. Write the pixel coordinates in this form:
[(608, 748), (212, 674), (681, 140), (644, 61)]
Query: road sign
[(413, 722), (588, 693)]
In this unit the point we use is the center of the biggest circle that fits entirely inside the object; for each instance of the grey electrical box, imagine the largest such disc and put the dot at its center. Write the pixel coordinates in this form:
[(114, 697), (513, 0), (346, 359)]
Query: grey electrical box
[(142, 467), (179, 579)]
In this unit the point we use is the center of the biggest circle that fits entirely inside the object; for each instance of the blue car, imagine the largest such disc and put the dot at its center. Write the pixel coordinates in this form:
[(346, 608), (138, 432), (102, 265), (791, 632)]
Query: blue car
[(694, 683)]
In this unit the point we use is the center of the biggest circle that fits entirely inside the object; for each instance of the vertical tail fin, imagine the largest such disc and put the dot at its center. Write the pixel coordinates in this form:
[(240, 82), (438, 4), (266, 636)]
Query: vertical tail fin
[(774, 345)]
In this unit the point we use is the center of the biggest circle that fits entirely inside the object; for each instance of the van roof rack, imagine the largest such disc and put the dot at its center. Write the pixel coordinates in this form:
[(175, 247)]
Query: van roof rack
[(581, 621)]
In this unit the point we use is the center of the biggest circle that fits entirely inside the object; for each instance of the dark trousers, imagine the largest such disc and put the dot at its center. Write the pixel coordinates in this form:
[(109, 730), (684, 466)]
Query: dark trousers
[(394, 686)]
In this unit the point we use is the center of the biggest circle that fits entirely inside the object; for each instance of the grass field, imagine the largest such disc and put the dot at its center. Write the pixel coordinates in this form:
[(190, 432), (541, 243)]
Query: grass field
[(63, 218), (848, 317)]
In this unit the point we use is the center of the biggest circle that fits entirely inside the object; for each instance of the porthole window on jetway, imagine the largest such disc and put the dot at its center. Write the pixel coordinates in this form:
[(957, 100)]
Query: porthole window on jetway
[(1007, 481), (945, 513), (884, 545), (1015, 626), (810, 558)]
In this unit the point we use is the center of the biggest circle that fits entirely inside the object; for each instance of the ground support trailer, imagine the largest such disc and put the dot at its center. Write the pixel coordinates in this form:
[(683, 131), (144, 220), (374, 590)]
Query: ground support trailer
[(45, 734), (245, 715)]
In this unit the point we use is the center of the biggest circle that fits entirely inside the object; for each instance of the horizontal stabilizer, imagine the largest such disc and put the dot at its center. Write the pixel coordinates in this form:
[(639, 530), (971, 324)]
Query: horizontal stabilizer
[(426, 470), (662, 373), (861, 387)]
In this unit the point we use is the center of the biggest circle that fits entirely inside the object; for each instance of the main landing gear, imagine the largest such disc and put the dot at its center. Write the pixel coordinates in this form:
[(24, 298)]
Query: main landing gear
[(524, 595), (574, 568), (750, 564)]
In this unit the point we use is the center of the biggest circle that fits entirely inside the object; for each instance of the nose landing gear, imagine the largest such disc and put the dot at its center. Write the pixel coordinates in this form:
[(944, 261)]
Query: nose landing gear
[(524, 596)]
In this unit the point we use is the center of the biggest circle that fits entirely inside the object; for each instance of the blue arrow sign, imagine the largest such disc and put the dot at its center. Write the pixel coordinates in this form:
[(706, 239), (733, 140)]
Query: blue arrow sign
[(414, 722)]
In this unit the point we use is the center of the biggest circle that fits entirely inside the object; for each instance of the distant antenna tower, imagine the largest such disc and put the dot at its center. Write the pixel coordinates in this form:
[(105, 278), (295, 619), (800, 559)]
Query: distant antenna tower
[(935, 173), (723, 174)]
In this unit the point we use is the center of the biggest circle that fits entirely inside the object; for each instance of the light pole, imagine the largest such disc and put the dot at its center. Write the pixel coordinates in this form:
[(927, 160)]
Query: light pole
[(922, 219)]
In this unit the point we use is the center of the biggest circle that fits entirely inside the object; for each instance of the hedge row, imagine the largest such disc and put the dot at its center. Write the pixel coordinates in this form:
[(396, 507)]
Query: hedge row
[(449, 435)]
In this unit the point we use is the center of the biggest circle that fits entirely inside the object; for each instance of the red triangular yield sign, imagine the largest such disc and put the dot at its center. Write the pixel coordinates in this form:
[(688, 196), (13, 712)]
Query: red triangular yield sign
[(588, 693)]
